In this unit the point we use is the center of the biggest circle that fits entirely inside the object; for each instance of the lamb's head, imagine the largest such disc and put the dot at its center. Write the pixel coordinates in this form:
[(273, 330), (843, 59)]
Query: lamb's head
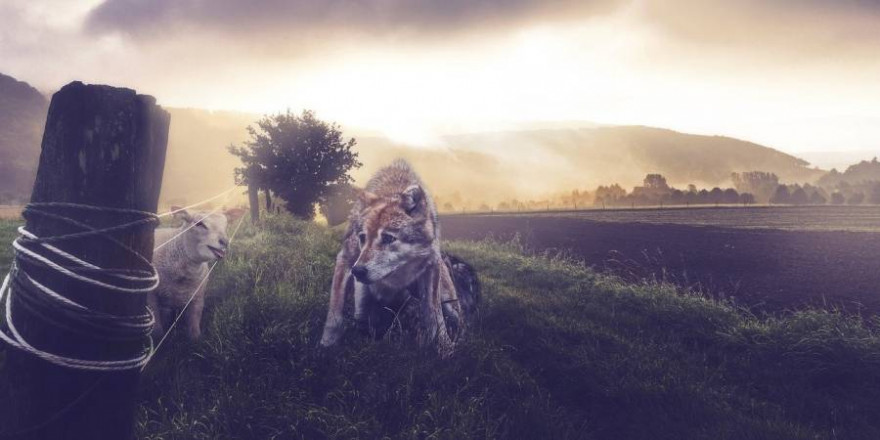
[(205, 237)]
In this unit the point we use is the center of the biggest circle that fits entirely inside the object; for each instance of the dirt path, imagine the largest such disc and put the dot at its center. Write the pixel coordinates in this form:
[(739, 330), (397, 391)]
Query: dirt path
[(766, 269)]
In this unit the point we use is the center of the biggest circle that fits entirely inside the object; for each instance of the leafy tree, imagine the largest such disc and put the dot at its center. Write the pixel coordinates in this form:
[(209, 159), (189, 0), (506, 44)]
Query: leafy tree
[(837, 198), (799, 196), (730, 196), (781, 196), (817, 199), (761, 184), (609, 194), (855, 199), (716, 196), (299, 158), (874, 198)]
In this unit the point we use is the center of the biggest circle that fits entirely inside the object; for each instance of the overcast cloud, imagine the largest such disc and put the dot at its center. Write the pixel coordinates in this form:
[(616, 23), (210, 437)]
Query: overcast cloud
[(806, 66)]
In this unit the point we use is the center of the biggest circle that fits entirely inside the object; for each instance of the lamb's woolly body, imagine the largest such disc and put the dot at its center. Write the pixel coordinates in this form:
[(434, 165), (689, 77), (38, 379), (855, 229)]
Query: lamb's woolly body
[(180, 272)]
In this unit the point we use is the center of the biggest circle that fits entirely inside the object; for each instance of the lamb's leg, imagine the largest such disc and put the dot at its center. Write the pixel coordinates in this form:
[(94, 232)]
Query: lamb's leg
[(333, 327), (193, 316)]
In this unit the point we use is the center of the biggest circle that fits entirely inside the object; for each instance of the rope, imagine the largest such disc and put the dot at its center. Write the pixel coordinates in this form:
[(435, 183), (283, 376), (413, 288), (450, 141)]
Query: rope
[(142, 324), (198, 203), (34, 255)]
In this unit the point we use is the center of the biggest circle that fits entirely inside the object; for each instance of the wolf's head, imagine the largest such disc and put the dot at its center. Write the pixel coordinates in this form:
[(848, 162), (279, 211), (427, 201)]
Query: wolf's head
[(395, 236)]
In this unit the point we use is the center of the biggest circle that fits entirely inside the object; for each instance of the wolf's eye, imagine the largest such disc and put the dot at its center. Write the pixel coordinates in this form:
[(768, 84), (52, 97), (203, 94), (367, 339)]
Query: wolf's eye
[(201, 225), (362, 238), (388, 238)]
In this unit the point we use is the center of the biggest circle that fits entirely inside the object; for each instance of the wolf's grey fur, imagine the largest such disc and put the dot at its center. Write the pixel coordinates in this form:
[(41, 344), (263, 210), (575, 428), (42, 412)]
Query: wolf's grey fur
[(182, 263), (391, 252)]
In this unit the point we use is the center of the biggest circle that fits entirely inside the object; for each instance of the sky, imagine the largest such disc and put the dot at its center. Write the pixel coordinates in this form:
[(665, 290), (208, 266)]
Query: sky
[(797, 75)]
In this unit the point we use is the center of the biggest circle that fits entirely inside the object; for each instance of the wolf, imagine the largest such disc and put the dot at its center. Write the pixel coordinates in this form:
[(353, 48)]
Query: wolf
[(391, 255)]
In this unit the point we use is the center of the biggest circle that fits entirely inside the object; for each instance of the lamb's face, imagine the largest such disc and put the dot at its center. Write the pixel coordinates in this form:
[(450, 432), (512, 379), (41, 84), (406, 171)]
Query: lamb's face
[(206, 238)]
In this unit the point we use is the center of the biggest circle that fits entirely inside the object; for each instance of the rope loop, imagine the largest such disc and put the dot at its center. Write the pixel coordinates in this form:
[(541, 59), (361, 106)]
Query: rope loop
[(33, 291)]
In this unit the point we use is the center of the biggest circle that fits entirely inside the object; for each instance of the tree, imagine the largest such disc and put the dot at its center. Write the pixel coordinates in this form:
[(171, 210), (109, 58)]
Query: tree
[(874, 197), (781, 196), (799, 196), (655, 181), (609, 194), (746, 198), (298, 157), (730, 196), (855, 199), (716, 196), (817, 199), (837, 198), (759, 183)]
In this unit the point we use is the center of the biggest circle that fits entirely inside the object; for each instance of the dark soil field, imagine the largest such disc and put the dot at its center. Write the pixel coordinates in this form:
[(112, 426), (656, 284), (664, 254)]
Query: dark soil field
[(827, 264)]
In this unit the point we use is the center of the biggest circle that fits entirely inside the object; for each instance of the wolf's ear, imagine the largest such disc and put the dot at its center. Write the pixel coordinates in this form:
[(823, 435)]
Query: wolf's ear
[(366, 198), (412, 199), (181, 213)]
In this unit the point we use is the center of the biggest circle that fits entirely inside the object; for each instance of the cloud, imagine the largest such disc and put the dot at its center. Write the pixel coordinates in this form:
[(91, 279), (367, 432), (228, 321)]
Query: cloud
[(780, 29), (152, 19)]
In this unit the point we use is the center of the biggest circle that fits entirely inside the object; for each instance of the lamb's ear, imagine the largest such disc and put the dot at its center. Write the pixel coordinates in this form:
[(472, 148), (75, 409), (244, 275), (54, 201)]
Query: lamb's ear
[(233, 214), (366, 198), (412, 199), (181, 213)]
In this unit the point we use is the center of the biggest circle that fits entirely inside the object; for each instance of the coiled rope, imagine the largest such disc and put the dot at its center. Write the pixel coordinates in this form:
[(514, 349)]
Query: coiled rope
[(35, 255), (103, 322)]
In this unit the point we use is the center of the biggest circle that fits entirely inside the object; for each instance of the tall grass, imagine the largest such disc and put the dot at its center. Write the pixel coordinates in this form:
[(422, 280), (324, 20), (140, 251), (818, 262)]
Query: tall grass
[(557, 351), (8, 232)]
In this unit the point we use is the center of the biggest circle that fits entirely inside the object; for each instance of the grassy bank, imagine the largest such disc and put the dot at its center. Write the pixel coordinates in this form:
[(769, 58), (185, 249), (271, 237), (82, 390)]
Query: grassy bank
[(557, 352)]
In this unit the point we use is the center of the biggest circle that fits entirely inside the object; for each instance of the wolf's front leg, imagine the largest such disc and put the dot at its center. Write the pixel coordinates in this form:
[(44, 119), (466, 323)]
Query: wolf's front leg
[(333, 327), (451, 306), (433, 323), (361, 317)]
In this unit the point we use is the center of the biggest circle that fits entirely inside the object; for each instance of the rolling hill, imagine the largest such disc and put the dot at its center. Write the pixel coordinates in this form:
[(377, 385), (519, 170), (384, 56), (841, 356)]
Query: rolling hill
[(491, 166), (22, 116)]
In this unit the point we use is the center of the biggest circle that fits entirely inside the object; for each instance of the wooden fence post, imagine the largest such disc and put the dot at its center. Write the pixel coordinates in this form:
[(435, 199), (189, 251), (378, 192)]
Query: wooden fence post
[(102, 146)]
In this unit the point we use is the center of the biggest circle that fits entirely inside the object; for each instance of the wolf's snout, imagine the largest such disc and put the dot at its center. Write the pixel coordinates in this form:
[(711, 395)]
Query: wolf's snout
[(360, 273)]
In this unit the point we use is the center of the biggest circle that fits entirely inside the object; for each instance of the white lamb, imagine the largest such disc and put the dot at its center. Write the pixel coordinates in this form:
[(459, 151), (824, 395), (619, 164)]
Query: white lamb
[(181, 257)]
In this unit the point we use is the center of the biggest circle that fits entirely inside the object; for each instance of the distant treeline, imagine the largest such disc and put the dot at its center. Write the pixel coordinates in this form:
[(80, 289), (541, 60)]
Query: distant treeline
[(753, 187)]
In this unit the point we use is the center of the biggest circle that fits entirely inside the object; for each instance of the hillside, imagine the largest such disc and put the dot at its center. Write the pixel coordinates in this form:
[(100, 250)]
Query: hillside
[(860, 173), (534, 163), (496, 166), (22, 116), (557, 351), (477, 167)]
